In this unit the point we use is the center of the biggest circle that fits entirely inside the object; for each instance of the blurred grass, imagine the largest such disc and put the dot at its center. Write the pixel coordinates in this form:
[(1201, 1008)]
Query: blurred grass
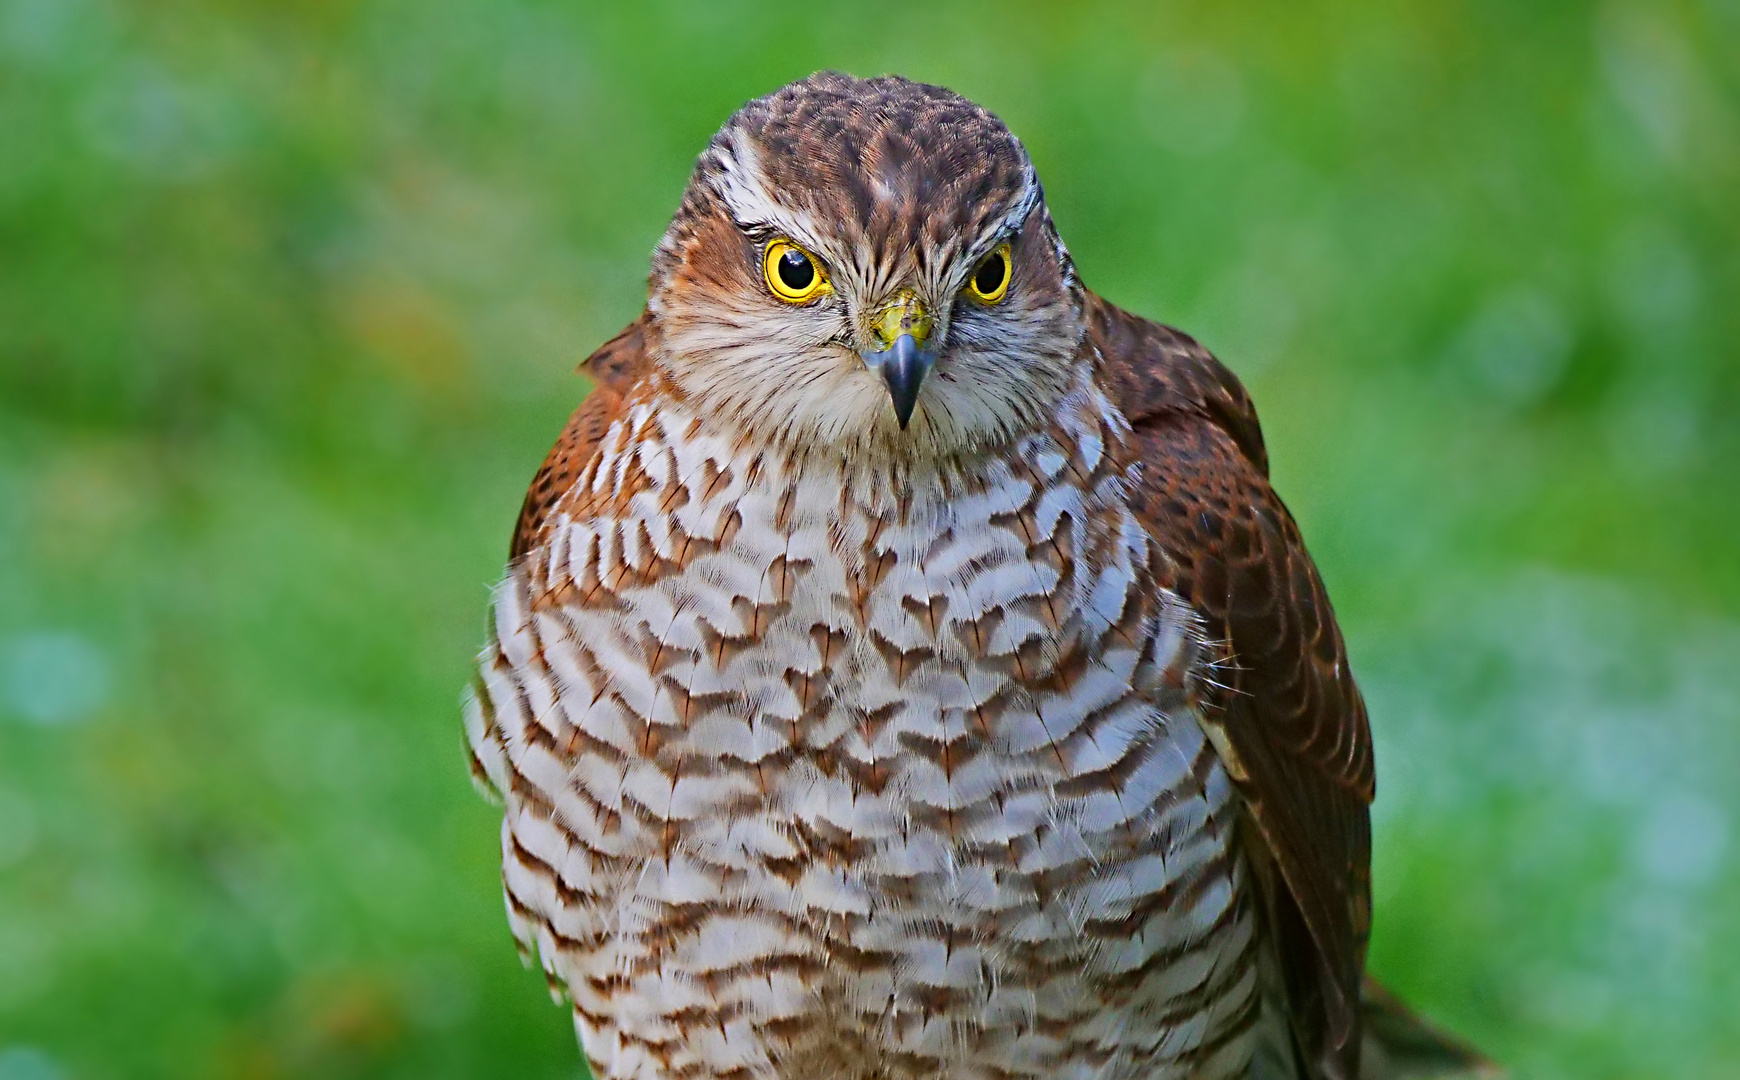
[(289, 297)]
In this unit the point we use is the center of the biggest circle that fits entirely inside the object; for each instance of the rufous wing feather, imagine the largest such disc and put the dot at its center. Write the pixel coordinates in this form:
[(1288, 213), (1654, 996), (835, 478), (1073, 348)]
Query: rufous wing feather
[(613, 369)]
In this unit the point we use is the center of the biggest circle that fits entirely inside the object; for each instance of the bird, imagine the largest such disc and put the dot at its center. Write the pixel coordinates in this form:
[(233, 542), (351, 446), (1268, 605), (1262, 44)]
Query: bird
[(904, 665)]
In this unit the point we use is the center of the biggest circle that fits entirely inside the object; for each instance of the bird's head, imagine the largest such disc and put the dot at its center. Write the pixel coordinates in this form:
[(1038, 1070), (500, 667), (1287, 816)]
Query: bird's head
[(867, 264)]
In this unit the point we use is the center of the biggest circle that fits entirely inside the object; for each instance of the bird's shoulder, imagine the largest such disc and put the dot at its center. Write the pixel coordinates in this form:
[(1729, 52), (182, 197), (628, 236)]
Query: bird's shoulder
[(614, 369), (1285, 712), (1157, 374)]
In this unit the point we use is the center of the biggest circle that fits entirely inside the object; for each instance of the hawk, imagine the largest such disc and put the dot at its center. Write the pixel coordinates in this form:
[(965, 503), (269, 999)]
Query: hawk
[(904, 667)]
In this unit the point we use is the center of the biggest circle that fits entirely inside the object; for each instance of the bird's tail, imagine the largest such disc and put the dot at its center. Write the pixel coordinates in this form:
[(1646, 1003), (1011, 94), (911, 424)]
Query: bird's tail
[(1401, 1046)]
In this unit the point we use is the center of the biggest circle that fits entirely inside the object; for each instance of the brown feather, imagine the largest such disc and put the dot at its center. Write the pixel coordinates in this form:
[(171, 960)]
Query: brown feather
[(613, 368), (1400, 1045), (1287, 710)]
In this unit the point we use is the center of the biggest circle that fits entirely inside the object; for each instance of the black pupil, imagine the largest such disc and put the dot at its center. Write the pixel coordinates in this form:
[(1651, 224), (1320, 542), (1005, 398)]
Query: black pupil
[(795, 271), (990, 274)]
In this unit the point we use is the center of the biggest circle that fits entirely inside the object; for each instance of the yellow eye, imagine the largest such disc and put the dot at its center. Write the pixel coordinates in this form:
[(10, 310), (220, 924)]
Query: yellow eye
[(990, 281), (792, 273)]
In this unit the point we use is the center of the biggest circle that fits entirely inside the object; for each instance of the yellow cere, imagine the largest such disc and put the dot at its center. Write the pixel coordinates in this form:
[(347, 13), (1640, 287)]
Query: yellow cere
[(793, 274), (990, 280)]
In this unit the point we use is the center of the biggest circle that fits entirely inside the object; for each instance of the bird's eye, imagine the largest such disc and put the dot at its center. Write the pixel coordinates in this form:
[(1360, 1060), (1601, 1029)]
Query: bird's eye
[(990, 281), (793, 273)]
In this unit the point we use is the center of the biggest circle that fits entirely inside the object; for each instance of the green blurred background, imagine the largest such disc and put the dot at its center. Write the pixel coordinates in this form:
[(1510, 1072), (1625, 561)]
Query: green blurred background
[(290, 296)]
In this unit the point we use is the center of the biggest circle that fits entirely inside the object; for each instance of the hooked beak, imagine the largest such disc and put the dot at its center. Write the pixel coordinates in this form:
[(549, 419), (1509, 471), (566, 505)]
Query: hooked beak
[(902, 329)]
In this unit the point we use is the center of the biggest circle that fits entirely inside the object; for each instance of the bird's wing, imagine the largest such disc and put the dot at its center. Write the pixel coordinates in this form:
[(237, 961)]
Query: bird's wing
[(1284, 712), (1399, 1045), (613, 369)]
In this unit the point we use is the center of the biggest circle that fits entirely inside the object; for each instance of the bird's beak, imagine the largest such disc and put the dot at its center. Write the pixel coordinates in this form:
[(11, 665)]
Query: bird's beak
[(902, 330)]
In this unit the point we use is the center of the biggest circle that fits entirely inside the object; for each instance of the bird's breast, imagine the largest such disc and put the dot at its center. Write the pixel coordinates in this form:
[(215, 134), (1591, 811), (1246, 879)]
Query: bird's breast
[(805, 777)]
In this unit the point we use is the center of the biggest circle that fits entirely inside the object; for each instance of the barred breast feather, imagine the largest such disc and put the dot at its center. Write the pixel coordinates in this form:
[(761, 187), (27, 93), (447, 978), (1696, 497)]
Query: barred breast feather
[(809, 775)]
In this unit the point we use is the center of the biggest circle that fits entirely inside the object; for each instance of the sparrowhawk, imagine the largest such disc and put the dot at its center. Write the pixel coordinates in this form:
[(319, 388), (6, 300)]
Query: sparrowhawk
[(904, 666)]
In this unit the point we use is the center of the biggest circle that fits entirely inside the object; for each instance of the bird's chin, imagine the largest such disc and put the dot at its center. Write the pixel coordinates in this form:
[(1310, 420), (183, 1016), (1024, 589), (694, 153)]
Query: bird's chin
[(816, 400), (856, 413), (829, 400)]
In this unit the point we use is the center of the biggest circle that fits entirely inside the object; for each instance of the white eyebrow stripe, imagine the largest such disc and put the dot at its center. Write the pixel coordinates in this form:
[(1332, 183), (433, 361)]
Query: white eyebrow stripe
[(1003, 230), (742, 185), (1030, 194)]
